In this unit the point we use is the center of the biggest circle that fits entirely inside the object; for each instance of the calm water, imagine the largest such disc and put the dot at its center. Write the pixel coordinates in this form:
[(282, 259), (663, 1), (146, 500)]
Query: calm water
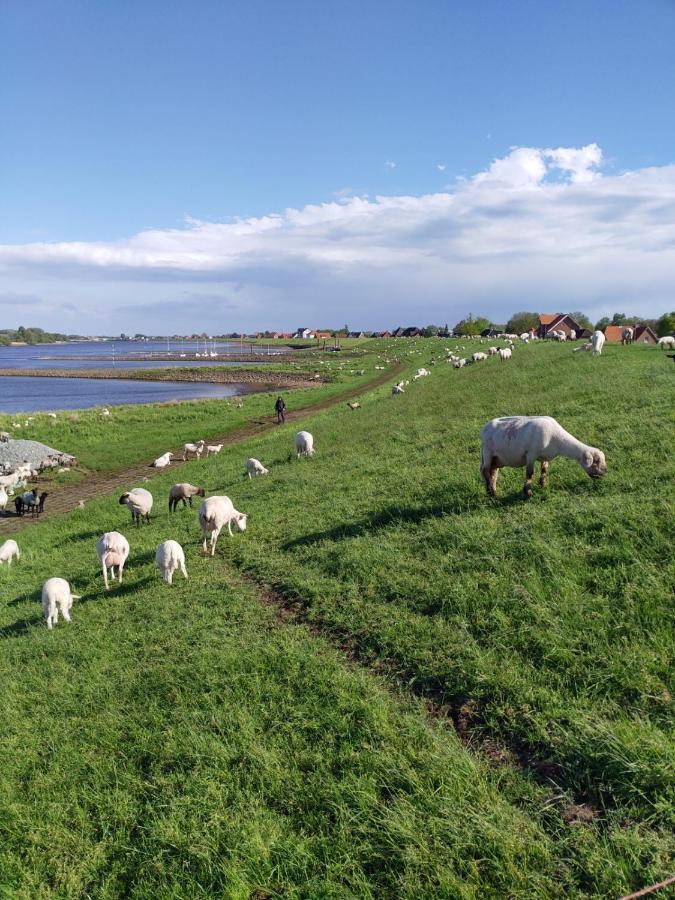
[(55, 356), (19, 394)]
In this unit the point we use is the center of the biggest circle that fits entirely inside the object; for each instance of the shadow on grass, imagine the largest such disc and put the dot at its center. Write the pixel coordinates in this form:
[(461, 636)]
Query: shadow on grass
[(20, 627), (453, 501)]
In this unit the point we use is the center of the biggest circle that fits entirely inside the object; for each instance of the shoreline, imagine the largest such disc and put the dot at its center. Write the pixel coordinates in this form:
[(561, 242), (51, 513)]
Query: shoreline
[(275, 380)]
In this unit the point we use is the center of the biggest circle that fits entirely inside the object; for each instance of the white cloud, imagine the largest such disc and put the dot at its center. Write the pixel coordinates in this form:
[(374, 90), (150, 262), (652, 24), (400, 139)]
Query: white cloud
[(538, 228), (390, 164), (441, 167)]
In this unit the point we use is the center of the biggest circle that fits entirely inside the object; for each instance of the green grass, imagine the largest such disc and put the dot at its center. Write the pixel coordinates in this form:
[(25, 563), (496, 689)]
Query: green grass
[(187, 741)]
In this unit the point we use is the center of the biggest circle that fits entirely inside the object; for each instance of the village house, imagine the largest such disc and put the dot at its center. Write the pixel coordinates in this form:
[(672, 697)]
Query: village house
[(559, 322), (323, 335), (406, 332), (641, 333), (304, 333)]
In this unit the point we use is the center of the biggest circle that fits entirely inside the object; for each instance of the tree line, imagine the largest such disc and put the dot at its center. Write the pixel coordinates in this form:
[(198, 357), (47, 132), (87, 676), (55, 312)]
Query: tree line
[(524, 321), (31, 336)]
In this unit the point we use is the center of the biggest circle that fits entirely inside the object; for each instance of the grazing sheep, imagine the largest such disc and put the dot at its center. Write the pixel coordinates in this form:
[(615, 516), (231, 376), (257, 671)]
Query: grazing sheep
[(572, 335), (421, 373), (459, 363), (197, 449), (213, 448), (627, 335), (587, 346), (5, 436), (667, 342), (184, 492), (30, 500), (493, 351), (398, 389), (304, 444), (4, 497), (597, 342), (354, 405), (162, 461), (216, 512), (113, 550), (139, 503), (169, 558), (479, 357), (8, 550), (515, 441), (57, 596), (505, 353), (105, 412), (255, 467)]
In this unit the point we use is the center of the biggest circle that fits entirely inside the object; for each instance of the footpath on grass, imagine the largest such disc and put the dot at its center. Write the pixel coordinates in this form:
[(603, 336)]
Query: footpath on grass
[(63, 499)]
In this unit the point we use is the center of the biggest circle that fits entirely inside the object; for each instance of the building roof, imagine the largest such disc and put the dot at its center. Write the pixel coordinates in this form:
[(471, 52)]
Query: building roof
[(549, 318)]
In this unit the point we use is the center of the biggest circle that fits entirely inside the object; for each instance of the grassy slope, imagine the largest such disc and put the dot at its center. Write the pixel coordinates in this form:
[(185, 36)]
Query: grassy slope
[(182, 725)]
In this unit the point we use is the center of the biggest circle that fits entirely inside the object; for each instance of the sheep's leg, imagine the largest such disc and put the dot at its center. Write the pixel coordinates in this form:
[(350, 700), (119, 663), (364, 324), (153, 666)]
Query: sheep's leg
[(529, 475), (204, 540), (190, 501), (105, 576), (544, 473), (168, 576), (214, 538), (229, 527), (119, 572), (182, 568), (65, 613)]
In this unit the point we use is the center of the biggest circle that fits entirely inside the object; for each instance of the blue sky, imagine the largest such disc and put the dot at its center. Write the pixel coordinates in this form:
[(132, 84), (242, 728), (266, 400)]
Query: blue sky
[(167, 119)]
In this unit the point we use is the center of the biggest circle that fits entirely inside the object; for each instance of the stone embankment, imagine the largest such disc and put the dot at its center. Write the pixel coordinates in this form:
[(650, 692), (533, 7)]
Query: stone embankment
[(259, 380)]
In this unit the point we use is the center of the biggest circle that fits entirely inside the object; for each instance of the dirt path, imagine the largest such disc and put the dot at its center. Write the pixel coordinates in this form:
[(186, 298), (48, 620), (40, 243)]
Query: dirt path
[(68, 497)]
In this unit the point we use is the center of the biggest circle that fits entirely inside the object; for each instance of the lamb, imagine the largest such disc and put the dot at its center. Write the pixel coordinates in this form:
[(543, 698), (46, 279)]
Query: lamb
[(505, 353), (57, 596), (5, 436), (169, 558), (213, 448), (354, 405), (139, 503), (398, 389), (493, 351), (515, 441), (304, 444), (197, 449), (216, 512), (8, 551), (597, 342), (113, 550), (184, 492), (255, 467), (421, 373), (479, 357), (587, 346), (459, 363), (162, 461), (667, 342)]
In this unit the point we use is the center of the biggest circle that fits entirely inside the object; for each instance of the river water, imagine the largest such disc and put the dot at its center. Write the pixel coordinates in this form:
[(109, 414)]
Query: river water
[(30, 394)]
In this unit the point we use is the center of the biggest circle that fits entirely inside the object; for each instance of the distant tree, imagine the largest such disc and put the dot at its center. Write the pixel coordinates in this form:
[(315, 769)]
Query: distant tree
[(470, 325), (602, 323), (619, 319), (522, 321), (666, 324), (430, 330), (582, 319)]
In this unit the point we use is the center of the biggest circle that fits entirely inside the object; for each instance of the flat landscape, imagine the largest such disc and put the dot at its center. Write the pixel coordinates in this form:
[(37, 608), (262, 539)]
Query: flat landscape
[(390, 685)]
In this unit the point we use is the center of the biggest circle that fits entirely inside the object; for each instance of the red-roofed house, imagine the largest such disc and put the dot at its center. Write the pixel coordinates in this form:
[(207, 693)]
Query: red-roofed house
[(558, 322), (642, 333)]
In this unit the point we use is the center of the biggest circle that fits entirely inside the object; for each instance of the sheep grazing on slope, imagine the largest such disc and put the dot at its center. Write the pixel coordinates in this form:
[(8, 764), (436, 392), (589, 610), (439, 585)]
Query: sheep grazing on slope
[(505, 353), (667, 342), (493, 351), (515, 441), (169, 558), (255, 467), (57, 596), (184, 492), (139, 503), (597, 342), (113, 550), (304, 444), (214, 514), (213, 449), (162, 461), (479, 357), (459, 363), (196, 449), (8, 551)]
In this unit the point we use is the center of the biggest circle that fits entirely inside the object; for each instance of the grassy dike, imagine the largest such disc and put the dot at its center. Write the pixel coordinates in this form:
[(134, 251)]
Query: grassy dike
[(264, 726)]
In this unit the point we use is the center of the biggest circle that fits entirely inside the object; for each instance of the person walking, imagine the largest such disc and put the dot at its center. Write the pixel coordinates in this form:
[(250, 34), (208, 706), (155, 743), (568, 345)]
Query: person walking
[(280, 407)]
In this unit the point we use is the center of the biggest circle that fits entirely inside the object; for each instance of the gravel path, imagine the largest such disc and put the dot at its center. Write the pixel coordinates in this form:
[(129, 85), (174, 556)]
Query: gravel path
[(32, 452)]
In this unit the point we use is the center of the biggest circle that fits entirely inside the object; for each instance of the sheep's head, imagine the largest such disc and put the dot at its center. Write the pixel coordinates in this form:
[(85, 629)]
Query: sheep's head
[(201, 492), (124, 498), (240, 520), (593, 463)]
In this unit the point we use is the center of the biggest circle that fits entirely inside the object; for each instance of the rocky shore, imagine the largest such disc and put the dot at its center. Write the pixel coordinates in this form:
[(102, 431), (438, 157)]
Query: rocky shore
[(256, 380)]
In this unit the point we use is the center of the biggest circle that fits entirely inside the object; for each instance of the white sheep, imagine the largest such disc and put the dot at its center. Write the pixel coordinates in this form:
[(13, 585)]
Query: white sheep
[(505, 353), (139, 503), (255, 467), (597, 342), (667, 342), (57, 596), (304, 444), (5, 436), (162, 461), (197, 449), (493, 351), (421, 373), (587, 346), (4, 498), (169, 558), (572, 335), (214, 514), (112, 549), (213, 448), (8, 551), (105, 412), (479, 357), (515, 441)]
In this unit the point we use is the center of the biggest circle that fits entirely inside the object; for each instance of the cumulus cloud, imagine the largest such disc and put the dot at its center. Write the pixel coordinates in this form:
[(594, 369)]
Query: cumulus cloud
[(539, 227)]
